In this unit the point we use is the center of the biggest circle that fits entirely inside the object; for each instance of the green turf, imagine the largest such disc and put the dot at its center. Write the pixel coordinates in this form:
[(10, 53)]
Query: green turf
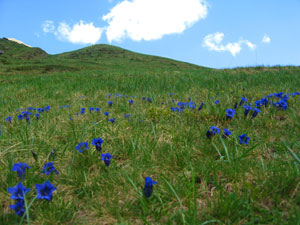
[(200, 180)]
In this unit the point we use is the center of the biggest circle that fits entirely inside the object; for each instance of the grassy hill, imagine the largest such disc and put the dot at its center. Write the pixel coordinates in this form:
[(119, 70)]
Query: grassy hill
[(22, 59), (149, 113)]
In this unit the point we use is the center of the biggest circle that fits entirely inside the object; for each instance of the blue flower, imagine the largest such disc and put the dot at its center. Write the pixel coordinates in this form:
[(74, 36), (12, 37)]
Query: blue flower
[(19, 207), (97, 109), (82, 146), (230, 113), (243, 100), (226, 133), (149, 100), (20, 117), (143, 98), (201, 106), (91, 109), (106, 113), (109, 95), (47, 108), (112, 120), (212, 131), (235, 105), (97, 142), (110, 103), (192, 105), (244, 139), (130, 102), (247, 109), (40, 110), (17, 192), (49, 168), (44, 191), (37, 115), (26, 114), (82, 111), (217, 102), (106, 158), (20, 168), (127, 115), (8, 119), (148, 188), (256, 111)]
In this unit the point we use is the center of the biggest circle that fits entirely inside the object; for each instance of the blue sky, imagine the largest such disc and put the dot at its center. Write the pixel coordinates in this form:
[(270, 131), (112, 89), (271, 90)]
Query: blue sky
[(212, 33)]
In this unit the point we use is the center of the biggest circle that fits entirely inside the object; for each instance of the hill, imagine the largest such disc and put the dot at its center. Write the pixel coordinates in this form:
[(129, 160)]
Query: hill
[(23, 59)]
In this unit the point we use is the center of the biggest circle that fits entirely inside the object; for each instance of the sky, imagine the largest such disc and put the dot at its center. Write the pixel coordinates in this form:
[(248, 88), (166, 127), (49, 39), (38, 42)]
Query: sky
[(210, 33)]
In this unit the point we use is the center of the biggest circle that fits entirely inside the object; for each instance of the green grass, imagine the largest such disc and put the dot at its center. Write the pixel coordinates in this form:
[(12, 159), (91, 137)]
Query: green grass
[(200, 180)]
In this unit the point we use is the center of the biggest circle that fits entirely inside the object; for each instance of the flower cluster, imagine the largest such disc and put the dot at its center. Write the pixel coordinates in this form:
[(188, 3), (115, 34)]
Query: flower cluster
[(18, 192)]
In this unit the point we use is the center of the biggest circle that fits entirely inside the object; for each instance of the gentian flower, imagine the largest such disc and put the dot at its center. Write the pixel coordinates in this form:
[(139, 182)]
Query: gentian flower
[(8, 119), (143, 98), (82, 146), (20, 168), (149, 100), (217, 102), (192, 105), (148, 188), (110, 103), (182, 105), (106, 157), (91, 109), (19, 207), (235, 105), (230, 113), (26, 114), (106, 113), (130, 102), (82, 111), (212, 131), (49, 168), (109, 95), (247, 109), (244, 139), (256, 111), (97, 142), (40, 110), (47, 108), (201, 106), (127, 115), (34, 155), (97, 109), (112, 120), (20, 117), (44, 191), (37, 115), (226, 133), (17, 192), (243, 100)]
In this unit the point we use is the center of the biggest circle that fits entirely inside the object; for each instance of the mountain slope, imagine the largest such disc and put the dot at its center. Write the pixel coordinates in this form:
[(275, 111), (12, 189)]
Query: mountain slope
[(11, 50), (22, 59)]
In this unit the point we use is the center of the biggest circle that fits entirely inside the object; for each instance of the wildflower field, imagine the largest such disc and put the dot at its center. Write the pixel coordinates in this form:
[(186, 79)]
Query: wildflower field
[(152, 146)]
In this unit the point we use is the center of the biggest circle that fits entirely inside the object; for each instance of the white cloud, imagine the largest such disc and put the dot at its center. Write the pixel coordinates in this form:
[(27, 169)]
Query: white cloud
[(152, 19), (48, 26), (80, 33), (266, 39), (214, 43)]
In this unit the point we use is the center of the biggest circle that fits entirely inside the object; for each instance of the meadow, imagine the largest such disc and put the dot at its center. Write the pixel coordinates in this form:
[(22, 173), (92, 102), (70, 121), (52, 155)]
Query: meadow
[(202, 175)]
